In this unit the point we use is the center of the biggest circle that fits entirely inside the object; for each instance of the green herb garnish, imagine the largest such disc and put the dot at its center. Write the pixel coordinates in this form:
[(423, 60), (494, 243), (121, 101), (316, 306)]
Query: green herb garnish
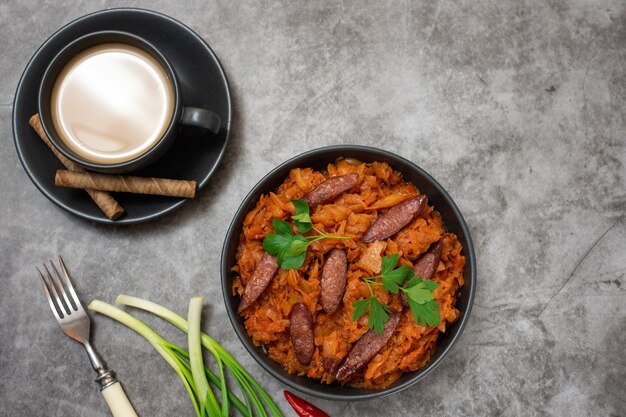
[(289, 248), (418, 292), (422, 301), (302, 219), (378, 312)]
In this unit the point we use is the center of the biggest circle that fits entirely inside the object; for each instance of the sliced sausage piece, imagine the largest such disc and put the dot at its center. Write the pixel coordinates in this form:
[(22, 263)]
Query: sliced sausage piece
[(365, 349), (331, 364), (261, 277), (395, 219), (330, 189), (301, 332), (333, 282), (426, 266)]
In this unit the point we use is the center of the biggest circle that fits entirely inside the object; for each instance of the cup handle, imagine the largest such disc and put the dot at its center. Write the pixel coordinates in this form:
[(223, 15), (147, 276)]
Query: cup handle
[(194, 116)]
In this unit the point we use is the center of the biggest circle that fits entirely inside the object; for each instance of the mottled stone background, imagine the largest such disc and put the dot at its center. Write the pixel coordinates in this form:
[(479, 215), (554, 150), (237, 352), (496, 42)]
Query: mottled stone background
[(516, 107)]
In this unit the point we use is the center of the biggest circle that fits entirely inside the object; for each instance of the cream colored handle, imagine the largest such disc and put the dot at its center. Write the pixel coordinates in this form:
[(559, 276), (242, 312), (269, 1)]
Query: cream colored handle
[(118, 402)]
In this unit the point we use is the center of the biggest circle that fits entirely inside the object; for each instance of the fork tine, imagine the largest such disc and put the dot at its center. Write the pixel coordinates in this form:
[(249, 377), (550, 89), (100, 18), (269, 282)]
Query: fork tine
[(53, 307), (55, 291), (66, 279), (57, 280)]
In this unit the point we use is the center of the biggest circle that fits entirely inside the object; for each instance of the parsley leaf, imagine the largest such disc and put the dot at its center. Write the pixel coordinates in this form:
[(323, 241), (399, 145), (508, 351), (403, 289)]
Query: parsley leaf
[(422, 301), (377, 313), (289, 248), (291, 262), (393, 277), (274, 244), (297, 246), (425, 313), (360, 307), (418, 292), (302, 219), (293, 251), (282, 227), (389, 262)]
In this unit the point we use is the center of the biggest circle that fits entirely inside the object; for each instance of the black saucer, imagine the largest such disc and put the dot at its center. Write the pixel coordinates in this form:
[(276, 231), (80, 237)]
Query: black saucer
[(195, 155)]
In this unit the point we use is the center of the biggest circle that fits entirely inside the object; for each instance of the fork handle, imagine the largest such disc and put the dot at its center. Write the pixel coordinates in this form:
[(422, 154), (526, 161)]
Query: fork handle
[(117, 401)]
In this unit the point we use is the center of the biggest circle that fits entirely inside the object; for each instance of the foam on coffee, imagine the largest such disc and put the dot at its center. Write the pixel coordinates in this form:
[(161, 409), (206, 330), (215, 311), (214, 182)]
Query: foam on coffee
[(111, 103)]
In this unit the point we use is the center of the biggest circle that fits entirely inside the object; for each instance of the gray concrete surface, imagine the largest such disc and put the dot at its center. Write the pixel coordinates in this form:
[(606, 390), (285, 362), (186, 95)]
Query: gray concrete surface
[(516, 107)]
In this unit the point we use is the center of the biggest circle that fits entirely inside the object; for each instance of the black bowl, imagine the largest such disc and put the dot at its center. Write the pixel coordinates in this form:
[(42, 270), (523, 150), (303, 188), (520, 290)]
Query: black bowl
[(437, 196)]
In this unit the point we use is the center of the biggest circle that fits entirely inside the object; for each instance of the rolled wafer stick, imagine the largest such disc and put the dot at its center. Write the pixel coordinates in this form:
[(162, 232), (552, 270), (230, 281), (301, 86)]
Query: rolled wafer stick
[(109, 206), (126, 184)]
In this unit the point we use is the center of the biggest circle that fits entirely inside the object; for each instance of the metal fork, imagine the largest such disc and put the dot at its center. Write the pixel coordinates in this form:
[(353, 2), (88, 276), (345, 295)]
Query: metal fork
[(74, 321)]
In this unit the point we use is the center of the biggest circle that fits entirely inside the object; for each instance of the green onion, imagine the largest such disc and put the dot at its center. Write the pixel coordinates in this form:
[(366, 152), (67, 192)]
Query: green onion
[(246, 381), (189, 366), (162, 346), (205, 395)]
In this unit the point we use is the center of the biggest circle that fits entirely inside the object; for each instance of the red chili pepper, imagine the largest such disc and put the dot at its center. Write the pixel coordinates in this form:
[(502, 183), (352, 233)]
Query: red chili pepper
[(303, 408)]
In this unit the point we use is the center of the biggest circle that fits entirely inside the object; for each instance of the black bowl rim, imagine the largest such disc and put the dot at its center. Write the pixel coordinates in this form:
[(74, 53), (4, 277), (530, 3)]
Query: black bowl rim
[(233, 232), (202, 181)]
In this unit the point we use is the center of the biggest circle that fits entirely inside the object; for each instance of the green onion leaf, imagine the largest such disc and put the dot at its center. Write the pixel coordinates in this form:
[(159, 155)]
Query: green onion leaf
[(249, 386), (162, 346), (205, 394)]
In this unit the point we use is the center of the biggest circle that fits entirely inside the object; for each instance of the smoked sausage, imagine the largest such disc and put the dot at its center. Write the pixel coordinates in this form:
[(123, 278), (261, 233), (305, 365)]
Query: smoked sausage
[(395, 219), (365, 349), (301, 333), (333, 282), (426, 265), (261, 277), (330, 189)]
